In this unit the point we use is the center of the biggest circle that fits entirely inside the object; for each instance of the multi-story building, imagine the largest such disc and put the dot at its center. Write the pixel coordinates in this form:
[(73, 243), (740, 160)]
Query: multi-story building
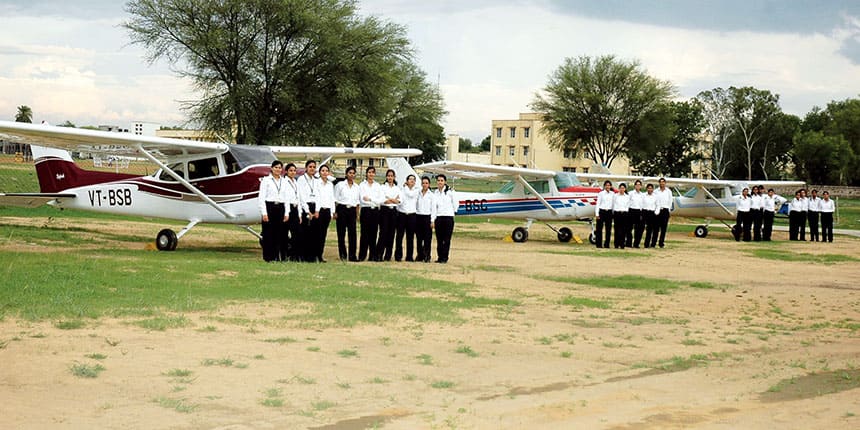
[(522, 142)]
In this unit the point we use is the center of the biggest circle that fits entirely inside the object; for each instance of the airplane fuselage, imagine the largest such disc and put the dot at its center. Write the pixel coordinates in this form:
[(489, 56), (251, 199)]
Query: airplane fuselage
[(569, 205)]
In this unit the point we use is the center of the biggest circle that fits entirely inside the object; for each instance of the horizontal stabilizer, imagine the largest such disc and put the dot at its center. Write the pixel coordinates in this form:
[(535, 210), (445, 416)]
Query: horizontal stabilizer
[(31, 200)]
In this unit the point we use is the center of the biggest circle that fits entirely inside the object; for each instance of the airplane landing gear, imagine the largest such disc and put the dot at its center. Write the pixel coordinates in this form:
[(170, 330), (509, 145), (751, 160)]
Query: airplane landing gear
[(564, 235), (166, 240), (520, 234), (701, 231)]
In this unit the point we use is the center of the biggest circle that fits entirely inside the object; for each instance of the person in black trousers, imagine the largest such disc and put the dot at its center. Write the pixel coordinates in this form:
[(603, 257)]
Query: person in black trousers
[(649, 206), (795, 214), (768, 212), (371, 198), (271, 204), (388, 216), (620, 215), (827, 207), (425, 215), (346, 213), (744, 217), (603, 213), (406, 219), (325, 203), (446, 207), (292, 248), (813, 214)]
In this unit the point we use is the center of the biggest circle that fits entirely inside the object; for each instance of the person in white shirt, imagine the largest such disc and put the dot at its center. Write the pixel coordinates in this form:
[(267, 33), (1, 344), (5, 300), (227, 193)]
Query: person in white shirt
[(768, 204), (346, 212), (325, 207), (388, 216), (620, 209), (446, 207), (636, 220), (826, 207), (292, 205), (603, 213), (370, 199), (804, 210), (271, 203), (307, 186), (406, 219), (664, 204), (425, 216), (744, 217), (756, 211), (649, 209), (795, 215), (813, 215)]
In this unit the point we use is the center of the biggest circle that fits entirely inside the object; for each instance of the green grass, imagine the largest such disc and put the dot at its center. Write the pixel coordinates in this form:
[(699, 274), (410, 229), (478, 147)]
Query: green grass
[(179, 405), (582, 302), (178, 373), (466, 350), (442, 384), (628, 282), (98, 283), (782, 255), (425, 359), (82, 370), (96, 356), (163, 323), (223, 362), (69, 324), (281, 340), (345, 353)]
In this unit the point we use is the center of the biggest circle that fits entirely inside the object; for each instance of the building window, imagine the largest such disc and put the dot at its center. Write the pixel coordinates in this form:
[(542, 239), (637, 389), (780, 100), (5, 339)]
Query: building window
[(525, 150), (498, 150), (585, 170), (526, 132), (569, 153), (512, 151), (569, 169), (513, 132), (498, 132)]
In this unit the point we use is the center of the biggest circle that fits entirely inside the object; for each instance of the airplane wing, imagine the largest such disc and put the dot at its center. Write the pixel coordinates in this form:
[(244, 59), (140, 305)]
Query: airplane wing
[(683, 182), (322, 152), (484, 171), (104, 142), (31, 200)]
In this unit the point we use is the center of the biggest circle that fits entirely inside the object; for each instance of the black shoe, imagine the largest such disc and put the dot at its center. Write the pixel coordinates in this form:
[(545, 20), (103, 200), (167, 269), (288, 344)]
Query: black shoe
[(354, 260), (322, 260), (599, 245), (408, 259)]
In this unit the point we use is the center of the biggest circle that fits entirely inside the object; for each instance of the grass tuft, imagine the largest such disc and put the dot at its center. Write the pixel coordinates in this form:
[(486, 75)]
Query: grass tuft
[(82, 370)]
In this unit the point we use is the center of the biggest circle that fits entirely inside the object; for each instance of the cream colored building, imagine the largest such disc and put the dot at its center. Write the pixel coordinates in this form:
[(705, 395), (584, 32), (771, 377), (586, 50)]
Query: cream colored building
[(452, 152), (522, 142)]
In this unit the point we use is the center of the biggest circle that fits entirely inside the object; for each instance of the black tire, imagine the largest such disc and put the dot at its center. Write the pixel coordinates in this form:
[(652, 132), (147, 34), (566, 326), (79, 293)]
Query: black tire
[(520, 234), (592, 239), (564, 235), (701, 231), (166, 240)]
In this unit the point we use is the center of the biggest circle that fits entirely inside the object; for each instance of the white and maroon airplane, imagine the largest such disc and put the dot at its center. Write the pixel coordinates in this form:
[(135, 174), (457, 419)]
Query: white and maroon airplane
[(198, 182)]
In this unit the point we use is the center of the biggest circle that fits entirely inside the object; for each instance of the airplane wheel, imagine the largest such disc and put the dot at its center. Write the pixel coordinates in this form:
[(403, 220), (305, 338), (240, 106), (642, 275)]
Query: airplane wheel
[(520, 234), (166, 240), (592, 239), (701, 231), (564, 235)]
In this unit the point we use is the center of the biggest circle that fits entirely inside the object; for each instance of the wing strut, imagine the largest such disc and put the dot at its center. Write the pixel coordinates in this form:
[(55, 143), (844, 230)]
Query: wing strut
[(717, 201), (540, 197), (187, 184)]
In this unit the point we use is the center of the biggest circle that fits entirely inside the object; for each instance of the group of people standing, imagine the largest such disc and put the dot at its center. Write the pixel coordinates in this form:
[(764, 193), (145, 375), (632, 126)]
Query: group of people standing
[(803, 210), (296, 215), (632, 213), (755, 213)]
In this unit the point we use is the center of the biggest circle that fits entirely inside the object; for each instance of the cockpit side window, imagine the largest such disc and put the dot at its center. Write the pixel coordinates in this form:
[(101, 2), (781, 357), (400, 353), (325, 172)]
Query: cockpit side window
[(230, 163), (204, 168), (179, 168)]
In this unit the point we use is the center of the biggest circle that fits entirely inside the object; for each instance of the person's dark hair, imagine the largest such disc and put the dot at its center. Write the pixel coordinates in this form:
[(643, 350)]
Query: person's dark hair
[(410, 176), (277, 163), (826, 193), (446, 181), (637, 182), (622, 185), (309, 162), (651, 186), (769, 189), (287, 167), (326, 166), (392, 172), (367, 170), (607, 182), (661, 180), (350, 168), (425, 178)]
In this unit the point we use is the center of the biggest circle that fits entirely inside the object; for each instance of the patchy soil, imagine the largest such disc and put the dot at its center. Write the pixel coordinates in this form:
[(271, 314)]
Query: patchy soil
[(772, 344)]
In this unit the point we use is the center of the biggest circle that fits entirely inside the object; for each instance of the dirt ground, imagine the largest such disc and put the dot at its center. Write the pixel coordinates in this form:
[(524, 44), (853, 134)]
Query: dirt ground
[(693, 358)]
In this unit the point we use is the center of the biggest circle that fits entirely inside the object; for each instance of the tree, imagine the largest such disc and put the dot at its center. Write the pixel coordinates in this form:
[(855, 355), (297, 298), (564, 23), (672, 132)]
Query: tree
[(284, 71), (777, 144), (485, 144), (822, 159), (839, 119), (719, 127), (752, 111), (593, 105), (67, 124), (465, 145), (666, 141), (25, 114)]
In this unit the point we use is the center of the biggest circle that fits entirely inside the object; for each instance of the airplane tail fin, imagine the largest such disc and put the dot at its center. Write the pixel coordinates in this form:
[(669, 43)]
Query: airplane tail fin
[(58, 172), (402, 169)]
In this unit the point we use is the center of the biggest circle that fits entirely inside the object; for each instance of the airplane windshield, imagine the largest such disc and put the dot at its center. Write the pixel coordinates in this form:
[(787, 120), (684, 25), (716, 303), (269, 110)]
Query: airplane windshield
[(541, 186), (566, 179), (692, 193), (507, 188)]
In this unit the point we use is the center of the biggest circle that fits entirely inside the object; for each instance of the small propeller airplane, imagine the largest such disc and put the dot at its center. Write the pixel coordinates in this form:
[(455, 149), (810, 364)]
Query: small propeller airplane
[(543, 195), (711, 199), (198, 182), (530, 194)]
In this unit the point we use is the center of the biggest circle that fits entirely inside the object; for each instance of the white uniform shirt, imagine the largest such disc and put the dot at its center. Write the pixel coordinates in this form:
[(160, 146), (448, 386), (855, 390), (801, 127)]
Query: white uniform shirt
[(390, 192), (636, 199), (768, 203), (307, 186), (649, 202), (604, 202), (796, 205), (293, 198), (756, 202), (621, 203), (408, 199), (804, 204), (815, 204), (446, 203), (271, 190), (426, 204), (325, 194), (744, 203), (373, 192), (664, 199), (346, 194), (827, 206)]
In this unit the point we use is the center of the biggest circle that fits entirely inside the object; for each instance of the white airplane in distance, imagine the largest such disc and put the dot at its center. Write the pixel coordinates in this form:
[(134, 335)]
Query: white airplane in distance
[(710, 199), (529, 194), (198, 182)]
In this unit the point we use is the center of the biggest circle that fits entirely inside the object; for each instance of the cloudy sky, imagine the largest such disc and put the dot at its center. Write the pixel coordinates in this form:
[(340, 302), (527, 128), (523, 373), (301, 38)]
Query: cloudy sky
[(71, 61)]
